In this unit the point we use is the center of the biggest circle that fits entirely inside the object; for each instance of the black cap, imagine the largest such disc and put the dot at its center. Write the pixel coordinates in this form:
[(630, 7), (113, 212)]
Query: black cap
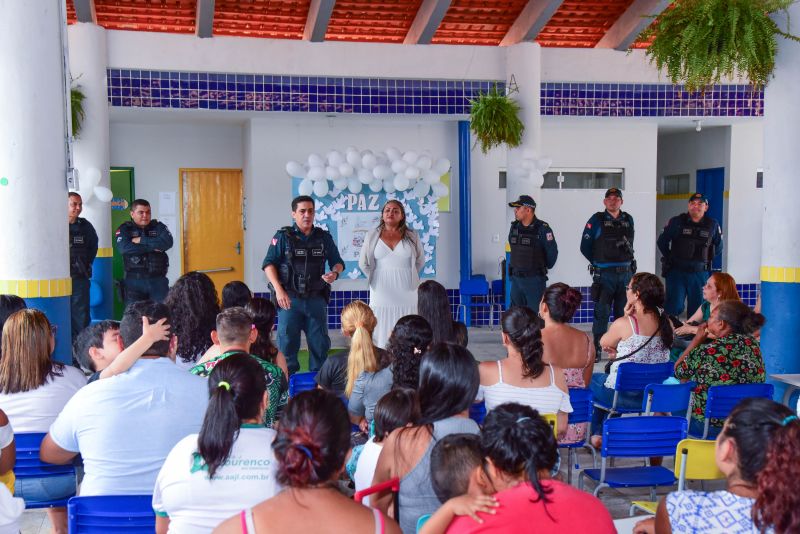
[(523, 200), (613, 192), (698, 196)]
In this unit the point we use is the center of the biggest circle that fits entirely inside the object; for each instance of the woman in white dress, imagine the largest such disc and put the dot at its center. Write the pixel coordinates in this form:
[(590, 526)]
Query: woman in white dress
[(391, 257)]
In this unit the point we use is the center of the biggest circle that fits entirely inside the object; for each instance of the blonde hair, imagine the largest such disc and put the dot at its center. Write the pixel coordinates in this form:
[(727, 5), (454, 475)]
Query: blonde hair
[(358, 322), (26, 349)]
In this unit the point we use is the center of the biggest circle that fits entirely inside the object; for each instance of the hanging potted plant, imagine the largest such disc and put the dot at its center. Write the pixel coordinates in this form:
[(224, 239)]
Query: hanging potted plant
[(494, 119), (703, 42), (78, 113)]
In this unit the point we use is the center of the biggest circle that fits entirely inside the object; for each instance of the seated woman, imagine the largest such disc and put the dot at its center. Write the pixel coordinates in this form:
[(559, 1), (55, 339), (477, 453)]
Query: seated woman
[(566, 347), (523, 377), (448, 383), (757, 452), (311, 446), (33, 391), (236, 293), (520, 452), (230, 465), (193, 304), (723, 351), (434, 306), (643, 335)]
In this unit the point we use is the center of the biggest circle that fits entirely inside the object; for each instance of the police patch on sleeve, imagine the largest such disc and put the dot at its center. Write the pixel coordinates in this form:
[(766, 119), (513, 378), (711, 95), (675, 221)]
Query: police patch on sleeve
[(549, 236)]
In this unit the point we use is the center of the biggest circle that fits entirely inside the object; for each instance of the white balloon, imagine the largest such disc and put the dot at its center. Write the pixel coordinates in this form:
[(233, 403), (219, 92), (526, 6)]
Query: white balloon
[(103, 194), (383, 159), (442, 166), (315, 174), (431, 177), (365, 176), (440, 190), (424, 163), (92, 176), (388, 185), (321, 188), (353, 158), (295, 170), (345, 169), (528, 164), (340, 183), (410, 157), (393, 153), (543, 164), (376, 185), (335, 158), (537, 178), (306, 187), (412, 173), (382, 172), (315, 160), (354, 185), (401, 183), (422, 189), (369, 161), (331, 173), (399, 165)]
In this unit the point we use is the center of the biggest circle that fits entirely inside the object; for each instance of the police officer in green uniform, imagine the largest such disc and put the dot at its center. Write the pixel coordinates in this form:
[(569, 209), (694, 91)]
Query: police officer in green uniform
[(533, 252), (295, 268), (607, 242), (143, 243), (82, 252)]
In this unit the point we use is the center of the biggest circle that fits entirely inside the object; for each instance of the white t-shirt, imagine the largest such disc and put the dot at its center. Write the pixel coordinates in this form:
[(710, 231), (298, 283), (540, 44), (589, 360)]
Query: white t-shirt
[(36, 409), (365, 467), (11, 507), (125, 426), (196, 504)]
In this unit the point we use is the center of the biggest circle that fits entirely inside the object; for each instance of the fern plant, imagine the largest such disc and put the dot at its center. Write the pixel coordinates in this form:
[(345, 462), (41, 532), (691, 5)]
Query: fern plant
[(78, 113), (701, 42), (494, 119)]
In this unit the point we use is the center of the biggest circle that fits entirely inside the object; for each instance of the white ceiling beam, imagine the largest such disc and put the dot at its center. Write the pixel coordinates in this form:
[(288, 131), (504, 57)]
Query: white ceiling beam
[(319, 16), (630, 24), (85, 12), (533, 17), (429, 17), (204, 20)]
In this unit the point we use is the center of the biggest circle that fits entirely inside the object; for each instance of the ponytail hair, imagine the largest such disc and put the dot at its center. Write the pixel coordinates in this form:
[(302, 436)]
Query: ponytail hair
[(523, 329), (313, 439), (236, 389), (562, 301), (518, 440), (739, 316), (651, 293), (359, 322)]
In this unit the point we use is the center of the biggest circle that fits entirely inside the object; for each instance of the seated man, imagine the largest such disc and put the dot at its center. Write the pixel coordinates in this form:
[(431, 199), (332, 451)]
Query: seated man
[(124, 428)]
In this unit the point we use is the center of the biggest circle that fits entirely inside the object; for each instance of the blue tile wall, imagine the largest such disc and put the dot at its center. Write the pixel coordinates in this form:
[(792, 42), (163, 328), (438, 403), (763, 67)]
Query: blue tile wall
[(649, 100), (311, 94)]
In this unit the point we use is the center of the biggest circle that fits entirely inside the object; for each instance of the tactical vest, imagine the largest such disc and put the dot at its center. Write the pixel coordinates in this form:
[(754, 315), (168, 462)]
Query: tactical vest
[(615, 242), (80, 264), (303, 263), (693, 242), (527, 251), (145, 264)]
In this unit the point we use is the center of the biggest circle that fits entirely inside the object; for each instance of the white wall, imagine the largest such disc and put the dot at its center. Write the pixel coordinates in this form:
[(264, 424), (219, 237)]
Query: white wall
[(158, 151)]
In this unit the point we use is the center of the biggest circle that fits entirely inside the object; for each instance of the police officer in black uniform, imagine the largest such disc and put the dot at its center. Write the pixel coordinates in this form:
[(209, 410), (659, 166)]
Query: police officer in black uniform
[(82, 252), (143, 244), (295, 267), (607, 242), (533, 252)]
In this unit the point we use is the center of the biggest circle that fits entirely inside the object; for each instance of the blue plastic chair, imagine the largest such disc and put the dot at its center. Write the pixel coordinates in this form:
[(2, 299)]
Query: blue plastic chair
[(722, 400), (669, 398), (302, 382), (28, 465), (468, 290), (129, 514), (637, 437), (477, 412), (635, 377), (582, 407)]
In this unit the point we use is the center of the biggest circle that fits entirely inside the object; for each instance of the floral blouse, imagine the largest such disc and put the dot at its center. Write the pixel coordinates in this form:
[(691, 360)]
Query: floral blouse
[(732, 359)]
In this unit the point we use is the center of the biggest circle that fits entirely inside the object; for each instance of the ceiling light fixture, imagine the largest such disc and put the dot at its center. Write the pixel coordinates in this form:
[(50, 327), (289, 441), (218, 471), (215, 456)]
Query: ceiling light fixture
[(698, 125)]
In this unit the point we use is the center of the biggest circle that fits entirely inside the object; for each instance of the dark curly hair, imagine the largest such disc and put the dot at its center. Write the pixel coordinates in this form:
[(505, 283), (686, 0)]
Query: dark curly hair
[(409, 340), (523, 329), (313, 439), (263, 313), (433, 305), (562, 301), (651, 293), (193, 305)]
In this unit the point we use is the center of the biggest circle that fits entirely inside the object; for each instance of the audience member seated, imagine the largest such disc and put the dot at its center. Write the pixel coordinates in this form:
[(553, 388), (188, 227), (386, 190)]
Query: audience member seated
[(235, 335), (124, 428), (434, 306), (642, 335), (264, 313), (448, 384), (33, 391), (396, 409), (520, 452), (340, 370), (522, 376), (193, 304), (236, 294), (757, 452), (98, 347), (399, 367), (722, 352), (311, 446), (11, 507), (8, 305), (230, 465)]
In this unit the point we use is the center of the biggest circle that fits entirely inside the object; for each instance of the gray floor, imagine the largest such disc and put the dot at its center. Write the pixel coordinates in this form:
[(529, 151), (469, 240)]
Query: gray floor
[(485, 345)]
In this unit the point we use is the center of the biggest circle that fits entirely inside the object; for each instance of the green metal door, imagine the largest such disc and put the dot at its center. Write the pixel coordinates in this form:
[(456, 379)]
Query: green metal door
[(122, 187)]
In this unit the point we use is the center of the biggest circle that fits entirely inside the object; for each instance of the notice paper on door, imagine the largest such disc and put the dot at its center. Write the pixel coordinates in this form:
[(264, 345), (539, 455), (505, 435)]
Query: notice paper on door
[(166, 204)]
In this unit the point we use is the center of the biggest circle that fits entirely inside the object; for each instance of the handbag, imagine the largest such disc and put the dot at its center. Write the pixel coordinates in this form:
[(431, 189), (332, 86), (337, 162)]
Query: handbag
[(640, 347)]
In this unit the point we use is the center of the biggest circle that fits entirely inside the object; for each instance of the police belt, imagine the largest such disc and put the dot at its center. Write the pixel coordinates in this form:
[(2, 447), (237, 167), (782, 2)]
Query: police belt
[(309, 294), (527, 274), (142, 276), (614, 269), (693, 267)]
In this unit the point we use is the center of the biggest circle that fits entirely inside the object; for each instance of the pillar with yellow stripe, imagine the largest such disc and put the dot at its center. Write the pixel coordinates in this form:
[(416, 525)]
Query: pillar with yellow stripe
[(34, 253), (780, 254)]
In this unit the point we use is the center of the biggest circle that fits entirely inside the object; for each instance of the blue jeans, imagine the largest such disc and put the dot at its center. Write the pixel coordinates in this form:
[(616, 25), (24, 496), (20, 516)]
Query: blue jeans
[(604, 395), (684, 286), (310, 315), (45, 489), (527, 291)]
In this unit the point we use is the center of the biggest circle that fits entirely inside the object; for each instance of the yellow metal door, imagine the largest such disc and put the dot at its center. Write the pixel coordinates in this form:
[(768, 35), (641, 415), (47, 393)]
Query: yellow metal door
[(213, 230)]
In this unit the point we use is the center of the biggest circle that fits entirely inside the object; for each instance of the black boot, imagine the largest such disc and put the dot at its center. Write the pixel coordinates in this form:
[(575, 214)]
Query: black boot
[(598, 351)]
